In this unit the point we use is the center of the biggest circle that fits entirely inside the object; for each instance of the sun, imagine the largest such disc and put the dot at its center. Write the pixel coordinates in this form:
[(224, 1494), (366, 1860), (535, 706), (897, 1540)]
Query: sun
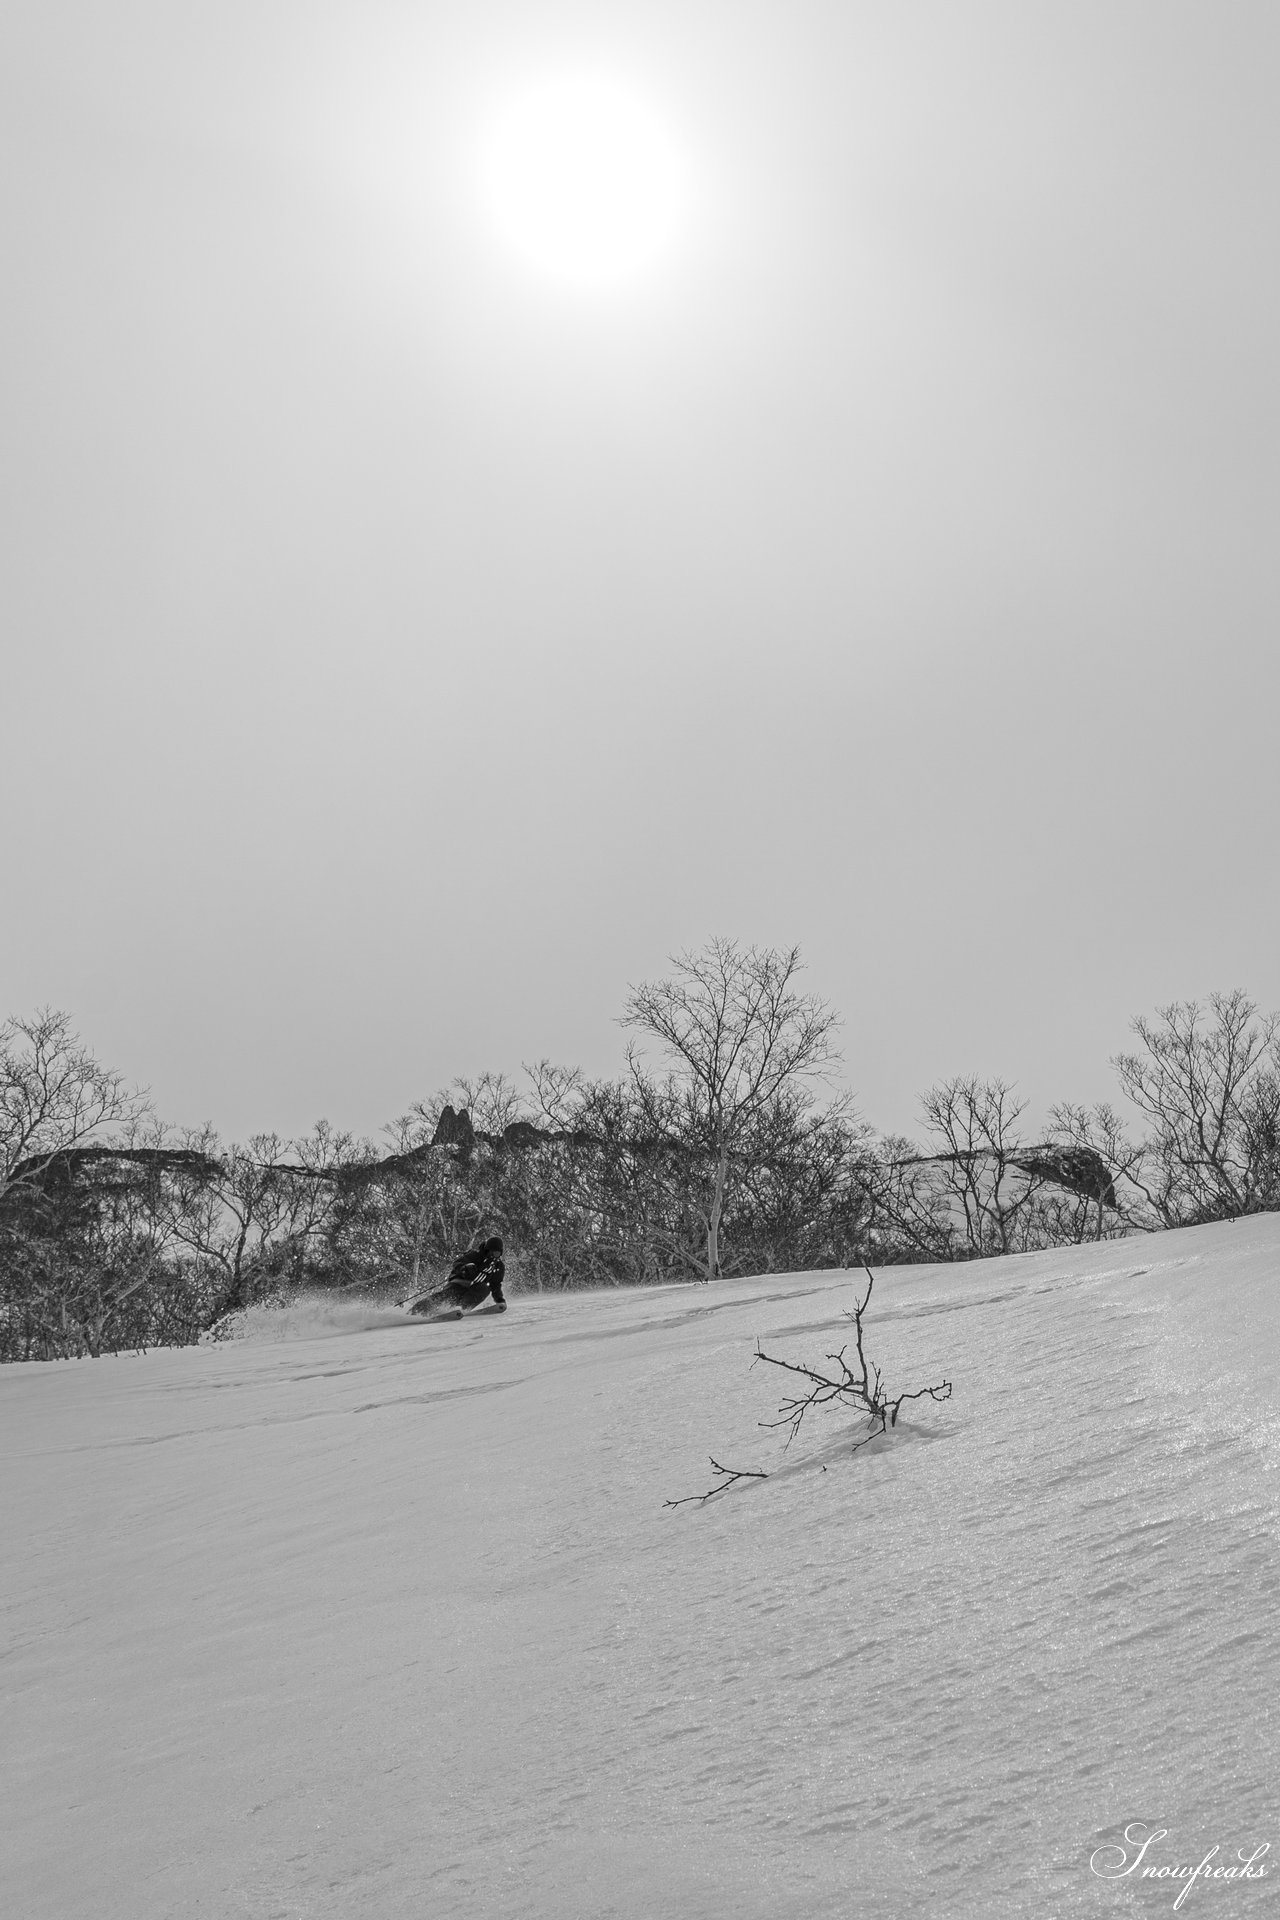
[(583, 180)]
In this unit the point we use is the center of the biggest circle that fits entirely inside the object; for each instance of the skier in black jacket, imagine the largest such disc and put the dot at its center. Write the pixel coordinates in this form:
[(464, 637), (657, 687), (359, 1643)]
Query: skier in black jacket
[(473, 1277)]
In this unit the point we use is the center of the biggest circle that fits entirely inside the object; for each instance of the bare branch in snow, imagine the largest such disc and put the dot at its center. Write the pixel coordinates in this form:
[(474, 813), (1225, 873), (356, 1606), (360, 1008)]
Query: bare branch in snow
[(730, 1476), (864, 1389), (861, 1388)]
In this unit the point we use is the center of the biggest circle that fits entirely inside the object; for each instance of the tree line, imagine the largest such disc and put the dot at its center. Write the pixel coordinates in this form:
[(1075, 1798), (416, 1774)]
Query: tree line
[(716, 1152)]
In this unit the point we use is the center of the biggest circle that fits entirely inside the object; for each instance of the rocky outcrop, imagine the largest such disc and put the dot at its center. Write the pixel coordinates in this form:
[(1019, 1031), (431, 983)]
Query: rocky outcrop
[(1080, 1169), (55, 1176)]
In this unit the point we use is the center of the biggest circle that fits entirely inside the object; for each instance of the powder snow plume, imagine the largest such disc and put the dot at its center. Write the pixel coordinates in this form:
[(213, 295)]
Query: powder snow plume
[(310, 1316)]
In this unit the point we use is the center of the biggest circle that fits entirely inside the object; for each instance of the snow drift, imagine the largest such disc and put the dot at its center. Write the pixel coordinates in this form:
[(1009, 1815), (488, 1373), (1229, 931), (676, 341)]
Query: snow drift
[(389, 1619)]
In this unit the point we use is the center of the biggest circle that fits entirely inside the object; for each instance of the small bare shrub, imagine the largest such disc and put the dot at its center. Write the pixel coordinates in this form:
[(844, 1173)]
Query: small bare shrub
[(861, 1388)]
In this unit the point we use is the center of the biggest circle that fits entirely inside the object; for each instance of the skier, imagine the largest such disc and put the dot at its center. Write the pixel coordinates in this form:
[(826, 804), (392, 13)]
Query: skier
[(472, 1278)]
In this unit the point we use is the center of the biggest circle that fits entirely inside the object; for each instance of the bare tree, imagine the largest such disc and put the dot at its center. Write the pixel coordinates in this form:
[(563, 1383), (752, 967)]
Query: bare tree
[(1106, 1199), (740, 1035), (975, 1193), (1208, 1082), (803, 1182), (54, 1095), (558, 1093), (986, 1190), (251, 1213), (912, 1216), (982, 1158)]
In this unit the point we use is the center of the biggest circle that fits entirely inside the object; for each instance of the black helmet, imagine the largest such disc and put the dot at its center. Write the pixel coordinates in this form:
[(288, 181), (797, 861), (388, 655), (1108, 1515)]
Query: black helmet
[(493, 1245)]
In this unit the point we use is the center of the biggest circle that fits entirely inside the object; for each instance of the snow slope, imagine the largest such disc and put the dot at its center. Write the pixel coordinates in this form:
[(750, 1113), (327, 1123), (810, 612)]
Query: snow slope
[(384, 1619)]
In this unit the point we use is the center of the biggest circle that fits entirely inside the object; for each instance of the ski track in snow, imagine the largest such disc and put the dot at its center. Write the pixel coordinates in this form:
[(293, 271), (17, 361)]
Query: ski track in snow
[(379, 1618)]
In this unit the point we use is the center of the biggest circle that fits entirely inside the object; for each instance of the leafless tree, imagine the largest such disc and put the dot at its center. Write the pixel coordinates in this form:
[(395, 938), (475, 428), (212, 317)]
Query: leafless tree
[(973, 1194), (557, 1093), (981, 1158), (802, 1187), (1117, 1204), (912, 1216), (492, 1100), (983, 1188), (1208, 1083), (251, 1215), (740, 1035), (54, 1095)]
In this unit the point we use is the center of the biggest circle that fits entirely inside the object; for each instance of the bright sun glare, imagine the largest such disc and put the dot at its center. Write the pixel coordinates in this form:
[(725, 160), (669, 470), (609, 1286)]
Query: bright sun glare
[(583, 180)]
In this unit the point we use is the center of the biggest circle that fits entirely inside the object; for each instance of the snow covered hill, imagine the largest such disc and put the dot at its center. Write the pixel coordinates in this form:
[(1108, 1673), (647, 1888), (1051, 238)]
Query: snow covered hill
[(362, 1617)]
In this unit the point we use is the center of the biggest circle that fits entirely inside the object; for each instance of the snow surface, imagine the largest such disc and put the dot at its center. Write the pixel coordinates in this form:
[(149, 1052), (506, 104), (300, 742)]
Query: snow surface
[(378, 1618)]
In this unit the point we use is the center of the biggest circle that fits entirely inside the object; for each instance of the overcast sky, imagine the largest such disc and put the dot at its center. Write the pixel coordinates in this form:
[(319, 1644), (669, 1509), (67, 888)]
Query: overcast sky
[(403, 650)]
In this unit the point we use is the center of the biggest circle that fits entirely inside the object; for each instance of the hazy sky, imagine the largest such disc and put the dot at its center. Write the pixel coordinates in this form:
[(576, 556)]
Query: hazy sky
[(403, 649)]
